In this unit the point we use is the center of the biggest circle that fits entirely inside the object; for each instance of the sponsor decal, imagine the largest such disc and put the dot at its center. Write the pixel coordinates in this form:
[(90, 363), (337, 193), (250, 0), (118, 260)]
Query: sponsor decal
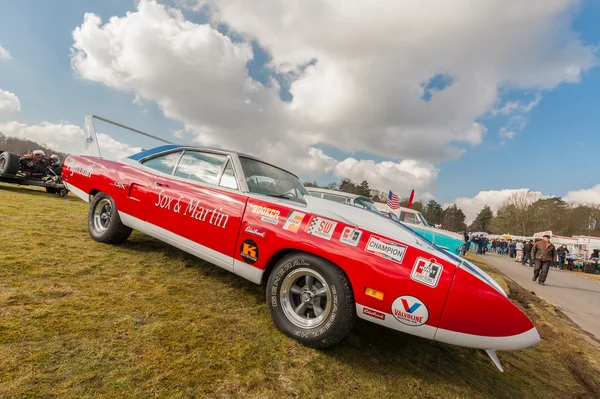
[(374, 313), (386, 248), (118, 184), (427, 271), (350, 236), (193, 208), (410, 310), (256, 232), (320, 227), (78, 168), (268, 215), (293, 221), (249, 251)]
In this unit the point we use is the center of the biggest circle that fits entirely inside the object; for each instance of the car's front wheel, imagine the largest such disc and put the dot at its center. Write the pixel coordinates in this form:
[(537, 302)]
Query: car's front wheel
[(311, 300), (104, 222)]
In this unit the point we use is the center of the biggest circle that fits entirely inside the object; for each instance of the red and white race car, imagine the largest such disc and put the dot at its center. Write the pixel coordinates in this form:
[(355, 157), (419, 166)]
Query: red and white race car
[(323, 263)]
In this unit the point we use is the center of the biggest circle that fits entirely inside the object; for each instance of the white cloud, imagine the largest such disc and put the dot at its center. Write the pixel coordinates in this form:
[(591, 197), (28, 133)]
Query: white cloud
[(518, 106), (9, 103), (363, 91), (590, 196), (67, 138), (4, 54), (493, 198), (400, 177)]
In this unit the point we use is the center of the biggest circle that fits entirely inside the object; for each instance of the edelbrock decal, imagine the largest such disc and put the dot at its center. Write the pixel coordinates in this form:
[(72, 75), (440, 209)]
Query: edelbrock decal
[(427, 271), (256, 232), (410, 310), (374, 313), (386, 248)]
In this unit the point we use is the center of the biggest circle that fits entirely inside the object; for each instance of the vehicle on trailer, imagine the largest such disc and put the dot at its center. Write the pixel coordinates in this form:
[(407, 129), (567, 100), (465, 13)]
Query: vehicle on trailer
[(323, 263), (33, 168)]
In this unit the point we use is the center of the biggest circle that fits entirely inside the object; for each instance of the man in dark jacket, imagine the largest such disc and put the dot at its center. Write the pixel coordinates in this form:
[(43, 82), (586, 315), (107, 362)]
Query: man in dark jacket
[(562, 253), (544, 253), (527, 247)]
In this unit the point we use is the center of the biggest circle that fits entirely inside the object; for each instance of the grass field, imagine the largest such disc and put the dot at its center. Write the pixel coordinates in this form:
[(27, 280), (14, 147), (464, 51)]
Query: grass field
[(79, 319)]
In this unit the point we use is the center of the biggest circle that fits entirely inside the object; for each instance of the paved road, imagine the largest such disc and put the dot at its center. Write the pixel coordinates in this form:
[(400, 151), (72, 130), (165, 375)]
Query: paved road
[(577, 296)]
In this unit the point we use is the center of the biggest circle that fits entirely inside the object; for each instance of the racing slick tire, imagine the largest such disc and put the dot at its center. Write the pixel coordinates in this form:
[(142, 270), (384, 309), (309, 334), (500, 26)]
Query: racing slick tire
[(311, 300), (9, 163), (104, 222)]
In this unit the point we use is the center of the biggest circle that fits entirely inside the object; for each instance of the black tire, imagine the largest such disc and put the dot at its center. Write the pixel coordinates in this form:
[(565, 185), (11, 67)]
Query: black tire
[(337, 319), (104, 222), (51, 190), (9, 163)]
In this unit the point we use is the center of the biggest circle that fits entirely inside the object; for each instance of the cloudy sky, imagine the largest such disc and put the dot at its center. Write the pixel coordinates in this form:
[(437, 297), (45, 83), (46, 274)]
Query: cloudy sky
[(463, 101)]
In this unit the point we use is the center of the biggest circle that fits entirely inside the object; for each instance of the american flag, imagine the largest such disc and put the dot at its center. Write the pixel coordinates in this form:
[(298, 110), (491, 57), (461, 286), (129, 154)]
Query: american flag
[(393, 201)]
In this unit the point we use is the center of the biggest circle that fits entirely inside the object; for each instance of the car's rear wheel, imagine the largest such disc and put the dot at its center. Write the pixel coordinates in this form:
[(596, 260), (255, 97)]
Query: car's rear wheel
[(9, 163), (311, 300), (104, 222)]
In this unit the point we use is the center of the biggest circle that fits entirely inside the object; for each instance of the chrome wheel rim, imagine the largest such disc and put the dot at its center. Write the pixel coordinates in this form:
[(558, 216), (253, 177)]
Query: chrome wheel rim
[(305, 298), (2, 164), (102, 214)]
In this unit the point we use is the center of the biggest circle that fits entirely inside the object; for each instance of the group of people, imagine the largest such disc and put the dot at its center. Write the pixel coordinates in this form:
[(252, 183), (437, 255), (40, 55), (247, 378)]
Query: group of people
[(476, 243), (541, 254)]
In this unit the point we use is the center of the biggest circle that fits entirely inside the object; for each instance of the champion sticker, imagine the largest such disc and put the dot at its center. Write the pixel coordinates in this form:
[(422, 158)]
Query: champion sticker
[(386, 248)]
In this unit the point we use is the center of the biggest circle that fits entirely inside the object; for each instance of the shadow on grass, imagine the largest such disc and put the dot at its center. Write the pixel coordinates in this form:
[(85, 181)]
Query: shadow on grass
[(372, 350), (33, 191)]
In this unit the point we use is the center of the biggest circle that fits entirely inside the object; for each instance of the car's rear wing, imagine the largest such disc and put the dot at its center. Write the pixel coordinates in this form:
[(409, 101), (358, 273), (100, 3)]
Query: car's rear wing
[(92, 147)]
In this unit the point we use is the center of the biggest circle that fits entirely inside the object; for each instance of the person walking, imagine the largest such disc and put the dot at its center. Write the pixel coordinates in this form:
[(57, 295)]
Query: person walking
[(527, 247), (519, 246), (544, 253), (562, 253)]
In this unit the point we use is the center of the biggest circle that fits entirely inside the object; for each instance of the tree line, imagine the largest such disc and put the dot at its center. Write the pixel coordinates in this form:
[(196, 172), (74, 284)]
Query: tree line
[(19, 146), (523, 213)]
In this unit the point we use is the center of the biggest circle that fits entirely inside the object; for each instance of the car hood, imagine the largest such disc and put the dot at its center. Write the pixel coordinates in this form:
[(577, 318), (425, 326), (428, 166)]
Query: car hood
[(373, 222)]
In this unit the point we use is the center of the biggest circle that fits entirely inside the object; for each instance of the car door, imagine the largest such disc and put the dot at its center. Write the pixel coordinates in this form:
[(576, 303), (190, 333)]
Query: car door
[(198, 207)]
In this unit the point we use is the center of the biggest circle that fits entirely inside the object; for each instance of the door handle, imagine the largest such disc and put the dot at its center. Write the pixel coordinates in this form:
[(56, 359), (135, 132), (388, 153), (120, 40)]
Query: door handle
[(159, 184)]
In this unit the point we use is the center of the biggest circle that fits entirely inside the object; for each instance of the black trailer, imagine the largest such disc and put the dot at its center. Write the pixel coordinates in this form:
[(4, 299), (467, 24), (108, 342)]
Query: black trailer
[(10, 172)]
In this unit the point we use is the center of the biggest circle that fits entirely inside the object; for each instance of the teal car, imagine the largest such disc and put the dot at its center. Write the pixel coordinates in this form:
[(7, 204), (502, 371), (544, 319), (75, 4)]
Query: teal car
[(415, 220)]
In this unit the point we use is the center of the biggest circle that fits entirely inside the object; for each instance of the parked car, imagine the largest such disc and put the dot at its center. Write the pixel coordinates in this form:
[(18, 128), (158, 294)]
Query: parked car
[(323, 263), (414, 219)]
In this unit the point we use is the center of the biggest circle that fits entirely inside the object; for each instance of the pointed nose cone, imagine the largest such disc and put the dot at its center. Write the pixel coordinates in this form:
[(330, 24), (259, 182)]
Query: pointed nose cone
[(479, 315)]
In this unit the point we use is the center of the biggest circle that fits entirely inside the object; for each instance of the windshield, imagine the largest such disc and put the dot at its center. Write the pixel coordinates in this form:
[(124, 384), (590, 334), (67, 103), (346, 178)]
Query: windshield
[(423, 219), (364, 203), (268, 180)]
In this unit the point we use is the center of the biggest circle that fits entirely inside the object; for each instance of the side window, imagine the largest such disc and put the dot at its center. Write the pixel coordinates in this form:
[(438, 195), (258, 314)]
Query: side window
[(408, 218), (228, 178), (164, 163), (335, 198), (201, 166)]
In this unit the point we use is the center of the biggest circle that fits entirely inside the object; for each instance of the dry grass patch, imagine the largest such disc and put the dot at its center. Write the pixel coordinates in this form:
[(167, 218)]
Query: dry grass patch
[(79, 319)]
